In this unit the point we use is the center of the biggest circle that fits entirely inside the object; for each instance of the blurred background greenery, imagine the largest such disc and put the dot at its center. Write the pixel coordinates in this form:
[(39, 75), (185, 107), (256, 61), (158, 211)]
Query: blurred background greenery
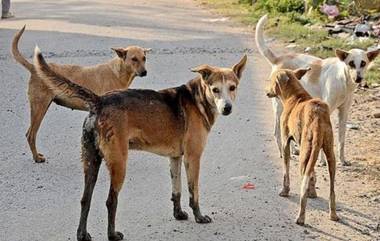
[(301, 23)]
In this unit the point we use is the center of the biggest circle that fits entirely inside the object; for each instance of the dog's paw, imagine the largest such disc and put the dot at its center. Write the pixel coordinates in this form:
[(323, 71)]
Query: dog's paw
[(334, 217), (203, 219), (181, 215), (115, 236), (85, 236), (39, 158), (346, 163), (300, 221), (284, 192), (312, 194)]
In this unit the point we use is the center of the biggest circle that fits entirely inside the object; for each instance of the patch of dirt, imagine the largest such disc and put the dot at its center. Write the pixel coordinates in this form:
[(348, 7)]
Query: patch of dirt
[(363, 144)]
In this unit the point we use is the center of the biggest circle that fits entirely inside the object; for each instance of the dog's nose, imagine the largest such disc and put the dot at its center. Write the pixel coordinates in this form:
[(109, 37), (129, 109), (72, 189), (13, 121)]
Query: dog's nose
[(227, 109), (358, 79), (144, 73)]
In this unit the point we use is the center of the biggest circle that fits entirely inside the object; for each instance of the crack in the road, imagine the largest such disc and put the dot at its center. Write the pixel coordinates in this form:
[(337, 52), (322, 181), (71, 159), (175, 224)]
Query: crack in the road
[(160, 51)]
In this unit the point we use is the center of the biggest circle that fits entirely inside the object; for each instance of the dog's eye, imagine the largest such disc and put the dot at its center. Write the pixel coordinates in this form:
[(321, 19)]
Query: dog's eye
[(215, 90), (232, 87), (144, 59), (362, 64), (351, 64), (134, 59)]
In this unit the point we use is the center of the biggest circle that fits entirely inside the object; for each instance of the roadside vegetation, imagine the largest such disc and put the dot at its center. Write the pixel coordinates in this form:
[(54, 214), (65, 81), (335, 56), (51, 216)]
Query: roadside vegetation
[(289, 24)]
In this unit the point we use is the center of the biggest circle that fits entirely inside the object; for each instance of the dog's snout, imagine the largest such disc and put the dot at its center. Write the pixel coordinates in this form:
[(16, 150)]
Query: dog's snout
[(143, 73), (358, 79), (227, 109)]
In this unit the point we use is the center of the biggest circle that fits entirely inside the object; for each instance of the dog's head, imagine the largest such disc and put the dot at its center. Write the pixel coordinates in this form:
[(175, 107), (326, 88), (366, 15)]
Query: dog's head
[(357, 60), (221, 84), (280, 81), (134, 58)]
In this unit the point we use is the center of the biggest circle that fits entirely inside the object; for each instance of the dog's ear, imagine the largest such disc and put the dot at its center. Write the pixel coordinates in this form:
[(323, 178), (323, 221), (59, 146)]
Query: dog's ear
[(299, 73), (341, 54), (239, 67), (147, 50), (121, 52), (373, 54), (204, 70)]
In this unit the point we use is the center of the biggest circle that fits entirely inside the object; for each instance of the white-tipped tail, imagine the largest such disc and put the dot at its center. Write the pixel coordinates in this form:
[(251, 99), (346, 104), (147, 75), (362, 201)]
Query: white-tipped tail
[(260, 41), (36, 52), (60, 85)]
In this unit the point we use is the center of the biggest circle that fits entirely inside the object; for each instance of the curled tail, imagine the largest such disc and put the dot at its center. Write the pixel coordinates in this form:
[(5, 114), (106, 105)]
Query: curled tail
[(62, 86), (16, 53), (260, 41)]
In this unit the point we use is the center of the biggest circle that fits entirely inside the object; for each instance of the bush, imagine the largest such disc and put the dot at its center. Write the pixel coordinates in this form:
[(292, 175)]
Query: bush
[(282, 6)]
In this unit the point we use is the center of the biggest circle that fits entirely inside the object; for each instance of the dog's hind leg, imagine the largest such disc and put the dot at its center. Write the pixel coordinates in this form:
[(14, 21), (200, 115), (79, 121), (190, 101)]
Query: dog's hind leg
[(304, 157), (277, 108), (175, 174), (312, 192), (303, 199), (329, 151), (38, 108), (309, 153), (113, 144), (91, 163), (116, 162), (286, 179)]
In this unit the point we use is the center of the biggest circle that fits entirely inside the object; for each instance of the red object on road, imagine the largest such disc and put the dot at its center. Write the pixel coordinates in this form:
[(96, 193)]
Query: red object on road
[(249, 185)]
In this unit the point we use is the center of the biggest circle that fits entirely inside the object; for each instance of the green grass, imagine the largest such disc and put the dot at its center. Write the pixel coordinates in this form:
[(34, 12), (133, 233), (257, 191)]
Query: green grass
[(291, 28), (373, 75)]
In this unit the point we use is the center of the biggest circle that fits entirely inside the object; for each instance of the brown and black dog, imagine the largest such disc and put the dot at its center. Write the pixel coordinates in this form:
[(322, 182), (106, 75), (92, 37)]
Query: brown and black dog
[(305, 120), (117, 73), (173, 122)]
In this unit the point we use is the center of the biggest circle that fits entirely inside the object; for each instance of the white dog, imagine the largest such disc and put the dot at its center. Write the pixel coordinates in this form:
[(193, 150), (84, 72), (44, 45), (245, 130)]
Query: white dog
[(332, 79)]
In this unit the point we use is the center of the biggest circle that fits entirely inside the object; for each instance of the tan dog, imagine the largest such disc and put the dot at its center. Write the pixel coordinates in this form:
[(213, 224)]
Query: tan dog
[(306, 121), (118, 73), (173, 122)]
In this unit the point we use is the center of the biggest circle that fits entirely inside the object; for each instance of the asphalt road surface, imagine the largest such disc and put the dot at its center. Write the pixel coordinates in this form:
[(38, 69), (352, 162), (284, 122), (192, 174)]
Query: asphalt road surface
[(41, 201)]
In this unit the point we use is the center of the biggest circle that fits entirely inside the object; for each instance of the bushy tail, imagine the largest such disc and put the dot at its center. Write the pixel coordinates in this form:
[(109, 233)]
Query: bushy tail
[(16, 53), (260, 41), (62, 86)]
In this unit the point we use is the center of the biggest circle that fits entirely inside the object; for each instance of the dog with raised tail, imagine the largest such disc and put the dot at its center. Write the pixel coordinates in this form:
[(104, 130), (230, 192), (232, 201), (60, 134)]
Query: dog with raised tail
[(173, 122), (305, 120), (331, 79), (118, 73)]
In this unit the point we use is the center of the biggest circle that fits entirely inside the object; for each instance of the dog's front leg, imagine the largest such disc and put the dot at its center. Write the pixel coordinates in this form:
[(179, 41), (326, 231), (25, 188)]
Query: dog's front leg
[(277, 108), (343, 116), (175, 174), (286, 179), (192, 165)]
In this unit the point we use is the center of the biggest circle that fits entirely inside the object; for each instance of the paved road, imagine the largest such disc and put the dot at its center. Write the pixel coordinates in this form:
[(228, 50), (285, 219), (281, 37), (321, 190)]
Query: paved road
[(41, 201)]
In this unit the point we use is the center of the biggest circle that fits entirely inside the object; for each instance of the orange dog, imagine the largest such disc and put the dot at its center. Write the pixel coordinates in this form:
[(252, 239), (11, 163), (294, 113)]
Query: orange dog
[(305, 120)]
